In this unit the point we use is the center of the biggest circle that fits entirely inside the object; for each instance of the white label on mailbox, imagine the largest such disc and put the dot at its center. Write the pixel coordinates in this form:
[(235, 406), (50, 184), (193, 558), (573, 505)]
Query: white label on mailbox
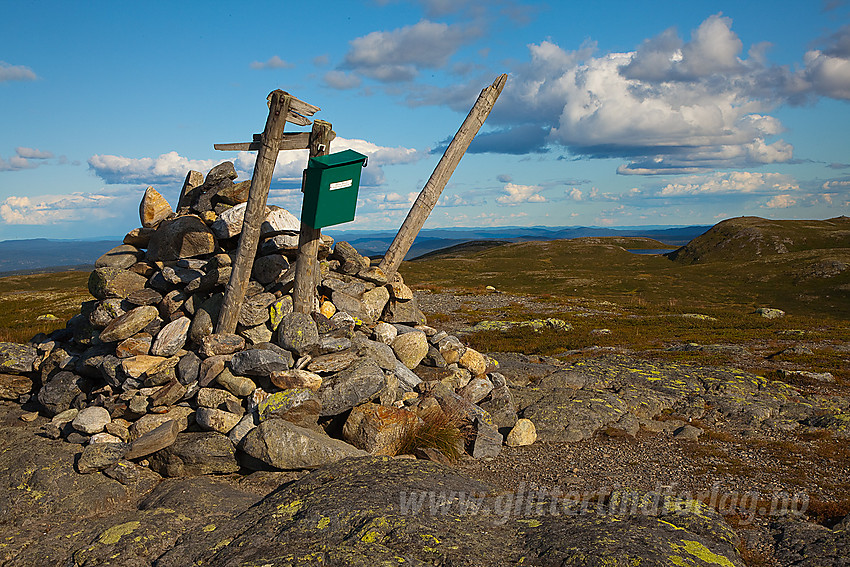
[(341, 184)]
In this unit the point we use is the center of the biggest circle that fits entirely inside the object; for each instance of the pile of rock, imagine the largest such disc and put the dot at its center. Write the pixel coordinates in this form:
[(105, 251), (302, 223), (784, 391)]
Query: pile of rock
[(140, 373)]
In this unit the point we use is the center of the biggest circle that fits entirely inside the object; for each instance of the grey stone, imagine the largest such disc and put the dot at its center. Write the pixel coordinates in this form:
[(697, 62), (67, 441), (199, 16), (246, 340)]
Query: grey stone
[(129, 324), (216, 420), (279, 243), (248, 422), (154, 440), (255, 310), (91, 420), (17, 358), (114, 282), (488, 440), (172, 337), (183, 237), (98, 456), (330, 343), (205, 318), (229, 223), (122, 256), (406, 377), (59, 393), (477, 389), (298, 333), (688, 432), (287, 446), (381, 353), (260, 361), (268, 269), (279, 220), (188, 369), (385, 333), (410, 348), (196, 453), (351, 305), (355, 385)]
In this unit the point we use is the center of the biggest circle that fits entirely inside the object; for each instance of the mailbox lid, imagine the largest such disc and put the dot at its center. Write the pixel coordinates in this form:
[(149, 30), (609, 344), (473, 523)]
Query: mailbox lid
[(338, 159)]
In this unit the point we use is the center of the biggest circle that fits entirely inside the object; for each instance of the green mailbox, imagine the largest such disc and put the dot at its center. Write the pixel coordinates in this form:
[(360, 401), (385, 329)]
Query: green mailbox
[(330, 185)]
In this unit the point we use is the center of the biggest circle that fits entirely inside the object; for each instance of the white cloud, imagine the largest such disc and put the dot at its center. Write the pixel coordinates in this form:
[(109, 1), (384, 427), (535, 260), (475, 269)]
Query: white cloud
[(170, 167), (23, 159), (290, 164), (575, 194), (828, 71), (780, 202), (341, 80), (274, 62), (726, 183), (398, 55), (517, 194), (51, 209), (10, 72)]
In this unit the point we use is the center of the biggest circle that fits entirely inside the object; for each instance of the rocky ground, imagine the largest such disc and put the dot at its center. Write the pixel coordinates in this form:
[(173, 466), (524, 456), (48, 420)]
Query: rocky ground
[(138, 436)]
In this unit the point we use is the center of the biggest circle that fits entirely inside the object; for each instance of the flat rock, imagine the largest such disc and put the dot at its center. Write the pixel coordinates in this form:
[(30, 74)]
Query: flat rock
[(221, 343), (279, 220), (286, 446), (229, 223), (196, 453), (216, 420), (17, 358), (260, 362), (122, 256), (357, 384), (13, 386), (129, 323), (295, 378)]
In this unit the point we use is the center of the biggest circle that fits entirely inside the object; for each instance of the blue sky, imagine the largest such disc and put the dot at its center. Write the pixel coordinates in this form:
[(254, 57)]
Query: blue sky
[(615, 113)]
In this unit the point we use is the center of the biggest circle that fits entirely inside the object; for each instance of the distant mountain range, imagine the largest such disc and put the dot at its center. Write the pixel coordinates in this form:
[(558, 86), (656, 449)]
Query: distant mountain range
[(43, 255)]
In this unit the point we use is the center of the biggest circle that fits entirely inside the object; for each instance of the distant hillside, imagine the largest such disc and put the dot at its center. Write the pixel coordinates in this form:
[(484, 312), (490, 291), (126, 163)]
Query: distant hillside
[(429, 240), (39, 254), (751, 238)]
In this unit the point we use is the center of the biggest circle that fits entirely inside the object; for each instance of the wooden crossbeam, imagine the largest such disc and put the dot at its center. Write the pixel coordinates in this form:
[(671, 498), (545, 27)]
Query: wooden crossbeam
[(290, 141)]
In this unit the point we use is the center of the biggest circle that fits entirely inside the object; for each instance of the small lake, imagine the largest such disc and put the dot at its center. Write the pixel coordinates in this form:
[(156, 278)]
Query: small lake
[(650, 250)]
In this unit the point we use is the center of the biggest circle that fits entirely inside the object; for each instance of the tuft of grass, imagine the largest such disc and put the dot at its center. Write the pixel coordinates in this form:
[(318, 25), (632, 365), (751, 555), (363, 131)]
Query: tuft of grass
[(435, 429)]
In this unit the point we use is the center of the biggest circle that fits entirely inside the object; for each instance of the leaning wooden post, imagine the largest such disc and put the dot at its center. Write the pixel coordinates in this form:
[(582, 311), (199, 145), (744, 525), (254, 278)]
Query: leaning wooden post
[(254, 211), (429, 195), (306, 268)]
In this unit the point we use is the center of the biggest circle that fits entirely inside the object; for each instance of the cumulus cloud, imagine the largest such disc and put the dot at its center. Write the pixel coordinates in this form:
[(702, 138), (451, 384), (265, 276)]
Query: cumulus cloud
[(828, 70), (517, 194), (9, 72), (341, 80), (26, 158), (575, 194), (780, 202), (730, 183), (671, 106), (52, 209), (168, 168), (398, 55), (274, 62)]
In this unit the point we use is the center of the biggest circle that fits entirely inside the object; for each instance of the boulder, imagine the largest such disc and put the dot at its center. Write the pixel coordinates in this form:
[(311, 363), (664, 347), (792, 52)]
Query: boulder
[(114, 282), (183, 237), (153, 209), (98, 456), (260, 362), (129, 324), (298, 333), (286, 446), (377, 429), (172, 337), (410, 348), (154, 440), (91, 420), (523, 433)]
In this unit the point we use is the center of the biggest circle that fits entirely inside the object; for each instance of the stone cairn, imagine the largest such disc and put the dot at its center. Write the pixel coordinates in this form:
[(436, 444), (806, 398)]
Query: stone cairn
[(140, 376)]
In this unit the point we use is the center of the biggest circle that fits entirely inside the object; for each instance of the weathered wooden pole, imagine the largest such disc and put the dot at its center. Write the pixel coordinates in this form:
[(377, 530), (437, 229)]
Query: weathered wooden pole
[(254, 211), (306, 267), (429, 195)]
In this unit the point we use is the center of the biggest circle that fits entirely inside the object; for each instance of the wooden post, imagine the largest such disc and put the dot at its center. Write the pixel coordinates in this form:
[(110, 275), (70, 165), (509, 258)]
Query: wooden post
[(306, 268), (431, 192), (254, 211)]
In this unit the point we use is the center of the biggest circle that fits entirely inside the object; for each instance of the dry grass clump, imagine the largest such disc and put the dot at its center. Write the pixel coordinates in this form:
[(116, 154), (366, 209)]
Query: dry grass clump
[(435, 429)]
